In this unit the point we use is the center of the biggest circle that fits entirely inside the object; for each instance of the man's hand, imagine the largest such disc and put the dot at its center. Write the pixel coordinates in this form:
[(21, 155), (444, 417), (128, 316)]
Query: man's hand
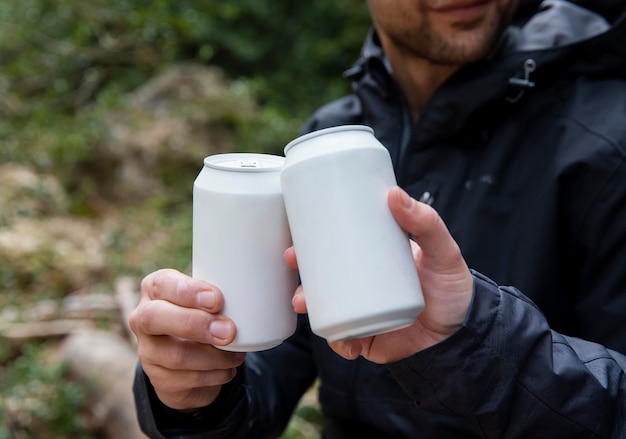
[(177, 322), (446, 281)]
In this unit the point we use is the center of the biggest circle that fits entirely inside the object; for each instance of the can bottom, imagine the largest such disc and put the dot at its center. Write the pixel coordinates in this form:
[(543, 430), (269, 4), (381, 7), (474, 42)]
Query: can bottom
[(369, 326), (250, 347)]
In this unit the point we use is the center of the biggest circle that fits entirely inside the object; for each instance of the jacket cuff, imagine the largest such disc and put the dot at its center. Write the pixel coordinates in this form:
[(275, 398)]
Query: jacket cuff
[(450, 377)]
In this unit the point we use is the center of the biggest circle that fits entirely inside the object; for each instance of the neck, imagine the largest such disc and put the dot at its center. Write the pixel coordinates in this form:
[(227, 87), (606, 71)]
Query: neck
[(418, 78)]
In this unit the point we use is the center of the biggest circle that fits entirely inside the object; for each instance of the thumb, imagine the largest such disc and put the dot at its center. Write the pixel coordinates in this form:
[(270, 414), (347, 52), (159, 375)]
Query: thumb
[(439, 251)]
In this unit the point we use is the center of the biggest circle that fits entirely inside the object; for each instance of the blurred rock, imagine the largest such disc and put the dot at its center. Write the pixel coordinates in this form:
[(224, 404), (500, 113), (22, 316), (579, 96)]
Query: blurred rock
[(105, 363)]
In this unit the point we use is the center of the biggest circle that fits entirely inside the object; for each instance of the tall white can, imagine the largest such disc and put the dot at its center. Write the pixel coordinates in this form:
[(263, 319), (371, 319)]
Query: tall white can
[(240, 233), (355, 262)]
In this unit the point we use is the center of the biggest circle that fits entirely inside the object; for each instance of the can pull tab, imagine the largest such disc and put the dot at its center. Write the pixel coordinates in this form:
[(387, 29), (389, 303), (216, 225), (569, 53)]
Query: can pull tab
[(248, 164)]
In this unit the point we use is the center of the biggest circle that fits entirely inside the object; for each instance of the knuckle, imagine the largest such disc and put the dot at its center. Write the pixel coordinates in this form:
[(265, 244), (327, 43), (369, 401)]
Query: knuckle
[(154, 284), (143, 356), (192, 327), (178, 357), (158, 375), (182, 291), (144, 319), (146, 283), (133, 321)]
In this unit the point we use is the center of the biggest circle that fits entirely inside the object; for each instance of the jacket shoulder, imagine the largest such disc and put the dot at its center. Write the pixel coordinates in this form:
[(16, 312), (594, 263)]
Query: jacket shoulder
[(600, 107), (343, 111)]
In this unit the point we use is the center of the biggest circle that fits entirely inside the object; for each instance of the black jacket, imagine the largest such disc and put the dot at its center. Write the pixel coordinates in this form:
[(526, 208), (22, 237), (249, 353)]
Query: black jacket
[(524, 158)]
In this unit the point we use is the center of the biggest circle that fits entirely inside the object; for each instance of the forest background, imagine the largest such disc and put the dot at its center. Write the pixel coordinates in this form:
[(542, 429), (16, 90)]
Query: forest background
[(107, 108)]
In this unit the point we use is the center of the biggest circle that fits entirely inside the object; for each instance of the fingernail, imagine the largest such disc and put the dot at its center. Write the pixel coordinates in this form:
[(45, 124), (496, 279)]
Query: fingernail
[(206, 299), (220, 329), (406, 200)]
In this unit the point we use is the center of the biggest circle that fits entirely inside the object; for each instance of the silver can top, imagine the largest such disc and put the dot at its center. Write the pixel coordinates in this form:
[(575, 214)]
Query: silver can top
[(245, 162), (325, 131)]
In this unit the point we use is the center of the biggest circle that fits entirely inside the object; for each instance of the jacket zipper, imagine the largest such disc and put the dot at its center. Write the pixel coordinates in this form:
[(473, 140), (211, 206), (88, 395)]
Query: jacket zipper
[(403, 142)]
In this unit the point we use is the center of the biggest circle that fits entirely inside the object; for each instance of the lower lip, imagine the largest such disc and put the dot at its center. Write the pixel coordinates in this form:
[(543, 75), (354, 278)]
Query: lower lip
[(468, 12)]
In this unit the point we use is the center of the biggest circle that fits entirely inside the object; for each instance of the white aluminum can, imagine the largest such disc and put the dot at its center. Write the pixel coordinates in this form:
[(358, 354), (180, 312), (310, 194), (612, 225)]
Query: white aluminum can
[(240, 233), (355, 262)]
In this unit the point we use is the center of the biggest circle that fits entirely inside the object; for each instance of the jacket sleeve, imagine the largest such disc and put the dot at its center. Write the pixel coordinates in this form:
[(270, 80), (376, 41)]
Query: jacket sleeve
[(257, 404), (509, 376), (595, 204)]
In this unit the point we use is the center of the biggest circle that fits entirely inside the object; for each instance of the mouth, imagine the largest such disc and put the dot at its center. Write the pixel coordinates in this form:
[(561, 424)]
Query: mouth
[(461, 9)]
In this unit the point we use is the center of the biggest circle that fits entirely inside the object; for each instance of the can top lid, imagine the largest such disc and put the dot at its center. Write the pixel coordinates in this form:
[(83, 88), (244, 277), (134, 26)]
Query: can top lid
[(324, 131), (245, 162)]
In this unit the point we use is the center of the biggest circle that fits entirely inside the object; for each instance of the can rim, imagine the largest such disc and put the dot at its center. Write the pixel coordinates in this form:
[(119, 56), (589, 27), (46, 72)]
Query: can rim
[(324, 131), (244, 162)]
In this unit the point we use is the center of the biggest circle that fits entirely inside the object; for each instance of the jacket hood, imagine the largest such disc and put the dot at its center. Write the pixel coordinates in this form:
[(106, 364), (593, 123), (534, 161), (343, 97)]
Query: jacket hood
[(559, 29), (556, 24), (559, 40)]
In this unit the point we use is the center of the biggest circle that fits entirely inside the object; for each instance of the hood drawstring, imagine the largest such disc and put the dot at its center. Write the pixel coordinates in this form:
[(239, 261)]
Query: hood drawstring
[(522, 84)]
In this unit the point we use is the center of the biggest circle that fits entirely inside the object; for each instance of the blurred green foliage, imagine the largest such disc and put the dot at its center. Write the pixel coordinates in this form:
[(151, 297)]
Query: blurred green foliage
[(66, 52)]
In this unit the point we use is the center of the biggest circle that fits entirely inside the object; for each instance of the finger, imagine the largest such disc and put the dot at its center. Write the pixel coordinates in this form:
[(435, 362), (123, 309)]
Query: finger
[(290, 258), (168, 380), (427, 228), (170, 383), (182, 290), (348, 349), (298, 301), (176, 354), (159, 317), (191, 399)]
